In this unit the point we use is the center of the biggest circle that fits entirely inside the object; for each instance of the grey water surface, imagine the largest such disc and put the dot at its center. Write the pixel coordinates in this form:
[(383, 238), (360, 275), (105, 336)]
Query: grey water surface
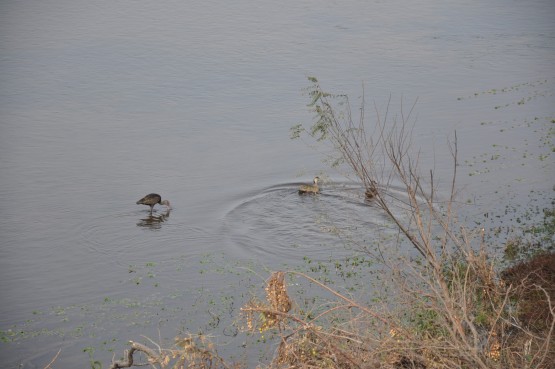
[(102, 102)]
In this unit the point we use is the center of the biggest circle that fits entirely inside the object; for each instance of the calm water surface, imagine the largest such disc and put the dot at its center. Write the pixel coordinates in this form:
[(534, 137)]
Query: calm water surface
[(104, 102)]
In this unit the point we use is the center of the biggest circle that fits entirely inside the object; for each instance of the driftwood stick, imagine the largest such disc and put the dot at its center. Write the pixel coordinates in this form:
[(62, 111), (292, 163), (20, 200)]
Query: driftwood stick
[(54, 359), (135, 346)]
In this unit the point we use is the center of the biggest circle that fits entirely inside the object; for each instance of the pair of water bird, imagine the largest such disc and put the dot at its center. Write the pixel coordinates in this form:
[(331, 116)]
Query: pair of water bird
[(370, 192), (153, 198)]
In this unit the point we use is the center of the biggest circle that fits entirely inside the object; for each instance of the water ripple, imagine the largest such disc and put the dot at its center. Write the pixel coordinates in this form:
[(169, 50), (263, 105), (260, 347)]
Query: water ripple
[(277, 223)]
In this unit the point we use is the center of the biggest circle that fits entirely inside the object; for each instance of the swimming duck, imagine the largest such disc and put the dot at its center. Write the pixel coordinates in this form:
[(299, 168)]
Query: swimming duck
[(371, 191), (153, 199), (313, 188)]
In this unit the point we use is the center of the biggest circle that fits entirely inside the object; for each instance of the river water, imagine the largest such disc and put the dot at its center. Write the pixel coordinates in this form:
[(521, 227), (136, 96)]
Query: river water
[(103, 102)]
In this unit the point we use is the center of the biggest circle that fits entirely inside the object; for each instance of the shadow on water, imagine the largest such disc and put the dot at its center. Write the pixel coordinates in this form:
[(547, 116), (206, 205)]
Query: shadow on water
[(154, 221)]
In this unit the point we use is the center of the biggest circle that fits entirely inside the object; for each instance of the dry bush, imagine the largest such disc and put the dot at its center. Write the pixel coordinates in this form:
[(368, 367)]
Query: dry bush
[(270, 313), (534, 289), (307, 342), (533, 297)]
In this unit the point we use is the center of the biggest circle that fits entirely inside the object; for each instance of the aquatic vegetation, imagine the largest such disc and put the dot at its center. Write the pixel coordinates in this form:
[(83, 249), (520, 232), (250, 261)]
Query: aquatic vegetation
[(509, 89), (522, 153)]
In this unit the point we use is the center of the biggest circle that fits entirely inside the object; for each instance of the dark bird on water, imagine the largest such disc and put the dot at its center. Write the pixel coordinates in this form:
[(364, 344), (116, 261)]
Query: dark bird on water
[(370, 194), (371, 191), (313, 188), (153, 199)]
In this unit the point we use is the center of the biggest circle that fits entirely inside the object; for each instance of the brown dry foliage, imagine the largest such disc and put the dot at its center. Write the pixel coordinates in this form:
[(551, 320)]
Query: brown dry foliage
[(263, 315), (302, 343), (534, 283), (533, 294)]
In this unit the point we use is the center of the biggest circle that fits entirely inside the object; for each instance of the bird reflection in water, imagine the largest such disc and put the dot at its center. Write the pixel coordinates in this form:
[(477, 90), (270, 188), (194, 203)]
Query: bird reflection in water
[(155, 221)]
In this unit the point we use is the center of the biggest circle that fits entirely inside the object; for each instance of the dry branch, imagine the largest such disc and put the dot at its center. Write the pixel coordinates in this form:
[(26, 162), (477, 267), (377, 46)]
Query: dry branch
[(153, 357)]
